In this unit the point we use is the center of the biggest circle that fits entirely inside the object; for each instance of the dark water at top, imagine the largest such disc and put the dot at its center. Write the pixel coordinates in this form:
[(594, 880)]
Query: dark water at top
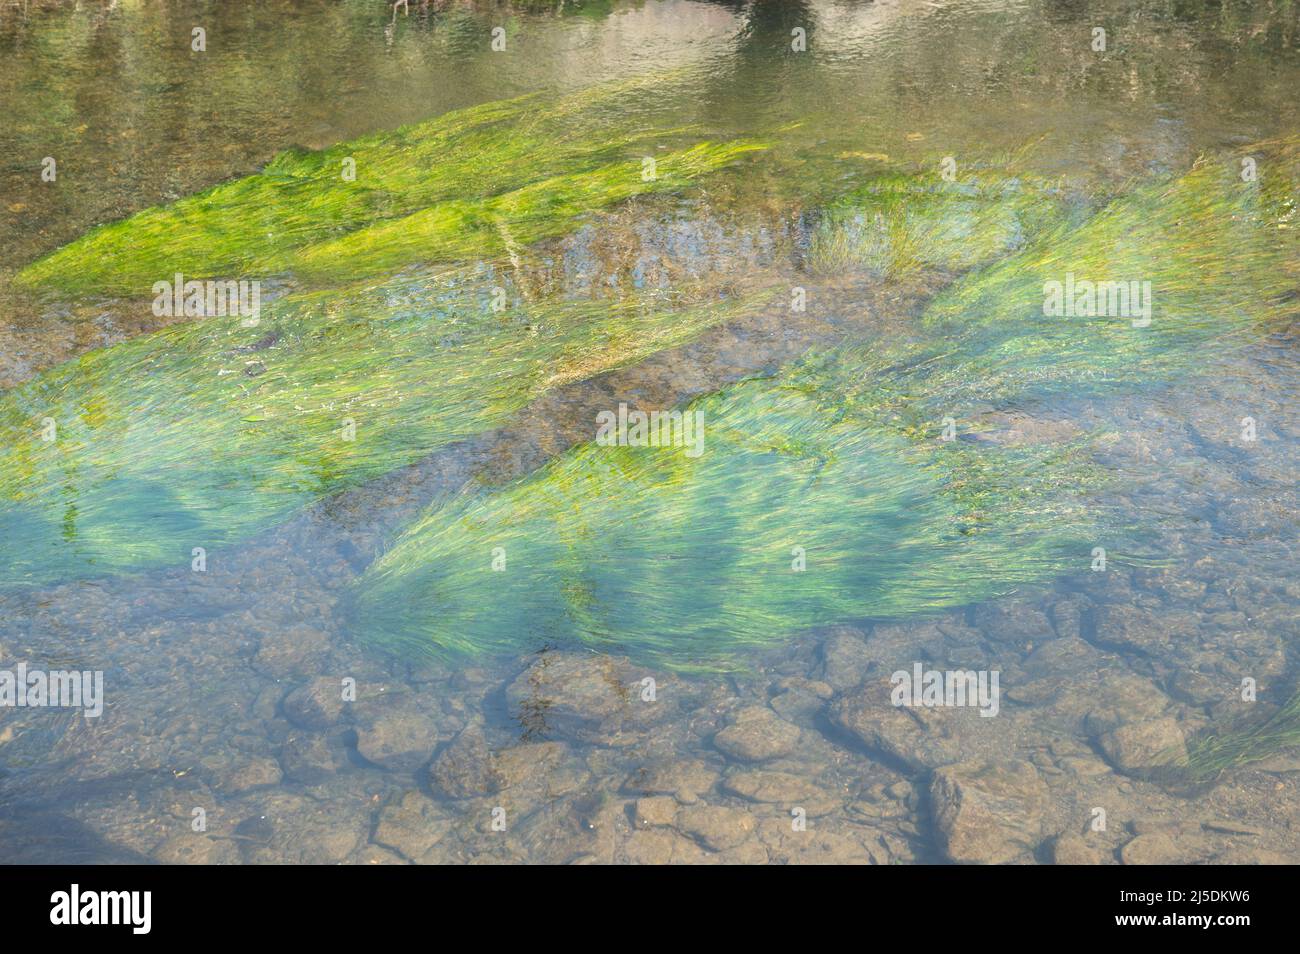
[(205, 676)]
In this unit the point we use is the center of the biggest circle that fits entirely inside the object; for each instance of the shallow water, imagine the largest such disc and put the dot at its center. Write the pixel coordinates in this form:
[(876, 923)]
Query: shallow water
[(222, 687)]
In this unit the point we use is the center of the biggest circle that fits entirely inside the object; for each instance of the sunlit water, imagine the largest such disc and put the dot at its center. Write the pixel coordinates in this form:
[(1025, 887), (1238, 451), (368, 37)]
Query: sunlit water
[(221, 686)]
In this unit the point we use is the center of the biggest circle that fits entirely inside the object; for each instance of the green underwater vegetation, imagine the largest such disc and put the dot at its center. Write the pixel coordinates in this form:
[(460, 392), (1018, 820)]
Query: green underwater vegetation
[(498, 226), (689, 559), (202, 433), (900, 223), (824, 492), (1216, 751), (1222, 257), (468, 184)]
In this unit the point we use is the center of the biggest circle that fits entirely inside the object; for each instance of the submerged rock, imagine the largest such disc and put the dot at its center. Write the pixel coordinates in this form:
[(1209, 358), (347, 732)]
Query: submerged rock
[(466, 768), (194, 848), (536, 762), (1140, 748), (988, 812), (783, 789), (918, 738), (684, 779), (654, 811), (469, 767), (800, 700), (1071, 849), (309, 758), (1165, 848), (317, 705), (1021, 624), (663, 846), (257, 772), (716, 827), (757, 734), (292, 651), (411, 826), (293, 829), (398, 737), (1151, 632), (845, 657), (582, 696)]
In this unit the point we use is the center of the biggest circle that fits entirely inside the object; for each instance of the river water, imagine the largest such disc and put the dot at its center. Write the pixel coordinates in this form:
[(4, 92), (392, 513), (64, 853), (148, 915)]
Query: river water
[(231, 732)]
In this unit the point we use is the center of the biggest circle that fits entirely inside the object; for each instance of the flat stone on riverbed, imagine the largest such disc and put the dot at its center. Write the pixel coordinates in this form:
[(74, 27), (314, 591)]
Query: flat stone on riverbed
[(317, 704), (757, 734), (597, 699), (253, 773), (988, 812), (196, 849), (291, 651), (469, 767), (845, 657), (654, 811), (411, 826), (1162, 848), (466, 768), (685, 779), (781, 788), (399, 737), (919, 738), (717, 827), (1137, 748)]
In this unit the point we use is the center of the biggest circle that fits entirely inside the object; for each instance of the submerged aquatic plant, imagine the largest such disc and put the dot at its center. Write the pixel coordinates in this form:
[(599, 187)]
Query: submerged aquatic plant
[(498, 226), (1209, 755), (463, 185), (688, 559), (1222, 259), (899, 224), (200, 434), (213, 430), (1218, 254)]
